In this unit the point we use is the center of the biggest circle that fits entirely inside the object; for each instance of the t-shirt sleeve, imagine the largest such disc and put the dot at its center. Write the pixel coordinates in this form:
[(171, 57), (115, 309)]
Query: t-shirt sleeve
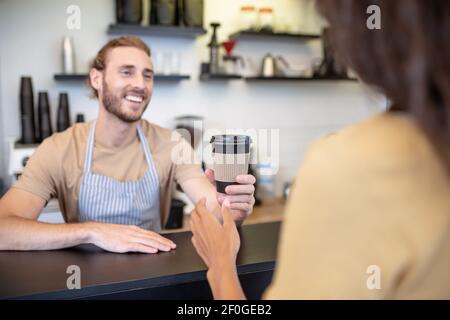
[(187, 165), (41, 172), (336, 240)]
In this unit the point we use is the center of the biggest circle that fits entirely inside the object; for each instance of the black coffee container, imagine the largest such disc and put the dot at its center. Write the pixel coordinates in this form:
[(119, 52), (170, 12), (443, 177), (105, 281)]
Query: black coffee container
[(192, 12), (163, 12), (129, 11), (63, 116), (44, 121), (231, 157), (27, 111)]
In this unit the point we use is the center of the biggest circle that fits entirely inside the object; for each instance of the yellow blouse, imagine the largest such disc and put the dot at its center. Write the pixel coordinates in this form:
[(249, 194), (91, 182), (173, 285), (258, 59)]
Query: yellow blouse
[(368, 218)]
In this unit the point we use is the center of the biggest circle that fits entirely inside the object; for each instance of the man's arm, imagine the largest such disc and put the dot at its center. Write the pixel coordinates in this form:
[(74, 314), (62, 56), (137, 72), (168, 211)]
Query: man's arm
[(198, 188), (20, 230), (240, 196)]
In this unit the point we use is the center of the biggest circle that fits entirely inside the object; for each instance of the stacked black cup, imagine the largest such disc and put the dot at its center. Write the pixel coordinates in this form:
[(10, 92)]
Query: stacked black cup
[(63, 116), (129, 11), (27, 111), (44, 121)]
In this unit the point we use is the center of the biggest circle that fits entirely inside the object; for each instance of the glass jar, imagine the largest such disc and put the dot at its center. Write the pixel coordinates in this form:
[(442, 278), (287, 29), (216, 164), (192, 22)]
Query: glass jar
[(265, 19), (248, 18)]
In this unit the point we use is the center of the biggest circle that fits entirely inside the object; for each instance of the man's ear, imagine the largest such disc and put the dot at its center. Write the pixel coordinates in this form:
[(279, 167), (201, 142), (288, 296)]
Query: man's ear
[(96, 78)]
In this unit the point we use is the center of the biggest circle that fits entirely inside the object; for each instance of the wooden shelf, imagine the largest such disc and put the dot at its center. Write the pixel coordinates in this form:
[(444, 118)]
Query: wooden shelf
[(272, 35), (174, 77), (70, 77), (300, 79), (207, 77), (82, 77), (157, 31)]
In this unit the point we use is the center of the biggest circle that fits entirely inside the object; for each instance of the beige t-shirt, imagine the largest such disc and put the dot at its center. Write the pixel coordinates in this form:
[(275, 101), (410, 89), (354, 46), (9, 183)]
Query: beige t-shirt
[(55, 168), (368, 218)]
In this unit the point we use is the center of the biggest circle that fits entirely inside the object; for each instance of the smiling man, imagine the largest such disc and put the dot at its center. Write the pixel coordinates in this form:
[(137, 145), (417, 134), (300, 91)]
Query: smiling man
[(113, 176)]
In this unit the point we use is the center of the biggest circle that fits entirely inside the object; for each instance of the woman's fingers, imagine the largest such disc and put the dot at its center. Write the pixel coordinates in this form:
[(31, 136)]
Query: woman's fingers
[(201, 208), (197, 239), (202, 224), (195, 218), (226, 213), (194, 221), (206, 218), (197, 227)]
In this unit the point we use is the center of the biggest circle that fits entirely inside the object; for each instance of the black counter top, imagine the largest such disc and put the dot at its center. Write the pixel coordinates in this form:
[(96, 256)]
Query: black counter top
[(179, 274)]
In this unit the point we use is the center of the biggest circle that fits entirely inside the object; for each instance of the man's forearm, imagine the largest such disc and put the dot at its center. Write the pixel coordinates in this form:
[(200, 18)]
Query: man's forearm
[(199, 188), (18, 233)]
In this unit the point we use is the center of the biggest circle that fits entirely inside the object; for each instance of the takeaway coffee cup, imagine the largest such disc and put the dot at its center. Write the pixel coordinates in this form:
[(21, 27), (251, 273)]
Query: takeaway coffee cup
[(231, 156)]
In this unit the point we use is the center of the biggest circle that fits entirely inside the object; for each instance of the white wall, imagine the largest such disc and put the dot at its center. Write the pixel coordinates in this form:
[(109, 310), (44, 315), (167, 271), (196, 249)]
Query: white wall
[(30, 44)]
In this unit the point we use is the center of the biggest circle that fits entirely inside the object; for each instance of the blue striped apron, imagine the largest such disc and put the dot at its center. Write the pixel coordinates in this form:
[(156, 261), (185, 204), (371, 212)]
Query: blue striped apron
[(104, 199)]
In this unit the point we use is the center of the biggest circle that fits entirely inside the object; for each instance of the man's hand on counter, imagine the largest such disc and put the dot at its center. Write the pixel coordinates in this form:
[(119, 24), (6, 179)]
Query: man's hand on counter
[(126, 238), (241, 197)]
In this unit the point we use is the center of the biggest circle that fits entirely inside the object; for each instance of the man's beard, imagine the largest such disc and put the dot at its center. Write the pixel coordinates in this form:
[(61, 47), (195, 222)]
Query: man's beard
[(113, 103)]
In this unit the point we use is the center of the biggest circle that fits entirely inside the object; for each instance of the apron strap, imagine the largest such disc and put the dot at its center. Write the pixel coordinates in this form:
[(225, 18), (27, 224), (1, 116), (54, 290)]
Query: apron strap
[(144, 142), (148, 156), (89, 148)]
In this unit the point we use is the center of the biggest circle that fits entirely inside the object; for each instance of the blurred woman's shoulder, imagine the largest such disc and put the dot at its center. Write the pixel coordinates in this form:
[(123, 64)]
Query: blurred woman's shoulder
[(374, 193), (387, 139)]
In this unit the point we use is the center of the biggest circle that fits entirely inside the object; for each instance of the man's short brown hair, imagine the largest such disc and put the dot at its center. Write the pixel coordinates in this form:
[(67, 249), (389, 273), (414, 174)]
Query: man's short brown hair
[(99, 62)]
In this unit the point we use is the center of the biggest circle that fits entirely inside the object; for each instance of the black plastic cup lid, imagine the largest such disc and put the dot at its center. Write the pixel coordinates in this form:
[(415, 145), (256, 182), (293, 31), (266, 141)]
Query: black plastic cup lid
[(230, 143), (231, 139)]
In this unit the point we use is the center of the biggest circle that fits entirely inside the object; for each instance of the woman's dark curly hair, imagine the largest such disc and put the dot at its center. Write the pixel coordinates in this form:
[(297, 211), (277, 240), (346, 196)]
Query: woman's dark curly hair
[(408, 59)]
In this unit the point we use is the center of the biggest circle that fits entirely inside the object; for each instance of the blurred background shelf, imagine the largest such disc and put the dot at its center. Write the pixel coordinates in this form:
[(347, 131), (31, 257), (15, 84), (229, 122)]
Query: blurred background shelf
[(254, 79), (157, 31), (272, 35), (207, 77), (70, 77), (82, 77)]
